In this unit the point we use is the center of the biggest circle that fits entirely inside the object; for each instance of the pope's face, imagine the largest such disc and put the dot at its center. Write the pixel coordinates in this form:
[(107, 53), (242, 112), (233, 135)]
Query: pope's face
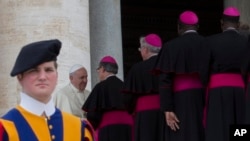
[(79, 79), (39, 82)]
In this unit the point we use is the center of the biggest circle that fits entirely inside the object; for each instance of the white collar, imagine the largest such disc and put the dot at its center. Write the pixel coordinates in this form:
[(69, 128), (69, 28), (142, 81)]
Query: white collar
[(190, 31), (109, 76), (153, 54), (36, 107), (231, 28)]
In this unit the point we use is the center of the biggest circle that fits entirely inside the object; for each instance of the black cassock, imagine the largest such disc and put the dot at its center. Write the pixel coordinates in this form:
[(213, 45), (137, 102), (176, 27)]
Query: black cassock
[(141, 94), (223, 70), (181, 90), (107, 113)]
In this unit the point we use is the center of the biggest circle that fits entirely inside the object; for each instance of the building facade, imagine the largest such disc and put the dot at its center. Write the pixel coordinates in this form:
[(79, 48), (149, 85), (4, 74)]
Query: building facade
[(88, 29)]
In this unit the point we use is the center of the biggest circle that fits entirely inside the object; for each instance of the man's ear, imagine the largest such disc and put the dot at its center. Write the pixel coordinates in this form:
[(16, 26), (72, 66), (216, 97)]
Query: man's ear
[(103, 69), (19, 77), (70, 77), (146, 49), (221, 22)]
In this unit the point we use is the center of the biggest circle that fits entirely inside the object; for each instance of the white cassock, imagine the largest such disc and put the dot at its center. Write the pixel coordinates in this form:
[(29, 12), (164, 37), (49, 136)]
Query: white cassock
[(70, 100)]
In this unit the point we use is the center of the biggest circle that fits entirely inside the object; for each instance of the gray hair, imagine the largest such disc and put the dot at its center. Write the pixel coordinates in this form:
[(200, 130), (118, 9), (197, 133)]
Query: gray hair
[(109, 67), (153, 49)]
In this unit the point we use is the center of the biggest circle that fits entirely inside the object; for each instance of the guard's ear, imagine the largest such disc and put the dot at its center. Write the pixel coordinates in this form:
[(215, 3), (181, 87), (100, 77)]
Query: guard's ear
[(19, 77)]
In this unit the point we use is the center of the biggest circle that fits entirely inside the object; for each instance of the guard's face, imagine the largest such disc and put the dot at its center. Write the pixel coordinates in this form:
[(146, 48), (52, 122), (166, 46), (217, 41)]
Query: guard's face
[(39, 82)]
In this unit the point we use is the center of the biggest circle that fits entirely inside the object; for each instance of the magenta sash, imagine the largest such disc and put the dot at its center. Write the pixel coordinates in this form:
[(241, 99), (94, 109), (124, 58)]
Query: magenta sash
[(115, 117), (222, 80), (186, 81), (148, 102)]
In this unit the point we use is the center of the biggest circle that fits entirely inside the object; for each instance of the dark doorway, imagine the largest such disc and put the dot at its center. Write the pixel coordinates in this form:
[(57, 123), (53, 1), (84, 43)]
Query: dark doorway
[(140, 17)]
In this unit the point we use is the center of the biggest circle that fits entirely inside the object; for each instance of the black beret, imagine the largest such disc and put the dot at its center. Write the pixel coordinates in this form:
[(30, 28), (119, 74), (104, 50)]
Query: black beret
[(36, 53)]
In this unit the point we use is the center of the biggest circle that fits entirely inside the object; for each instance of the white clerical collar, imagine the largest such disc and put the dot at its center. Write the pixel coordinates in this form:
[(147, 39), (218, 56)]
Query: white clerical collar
[(36, 107), (231, 28), (154, 54), (190, 31), (109, 76)]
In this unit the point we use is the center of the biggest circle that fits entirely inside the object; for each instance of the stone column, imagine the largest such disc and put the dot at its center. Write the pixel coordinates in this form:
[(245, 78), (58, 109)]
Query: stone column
[(243, 6), (105, 34), (25, 21)]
